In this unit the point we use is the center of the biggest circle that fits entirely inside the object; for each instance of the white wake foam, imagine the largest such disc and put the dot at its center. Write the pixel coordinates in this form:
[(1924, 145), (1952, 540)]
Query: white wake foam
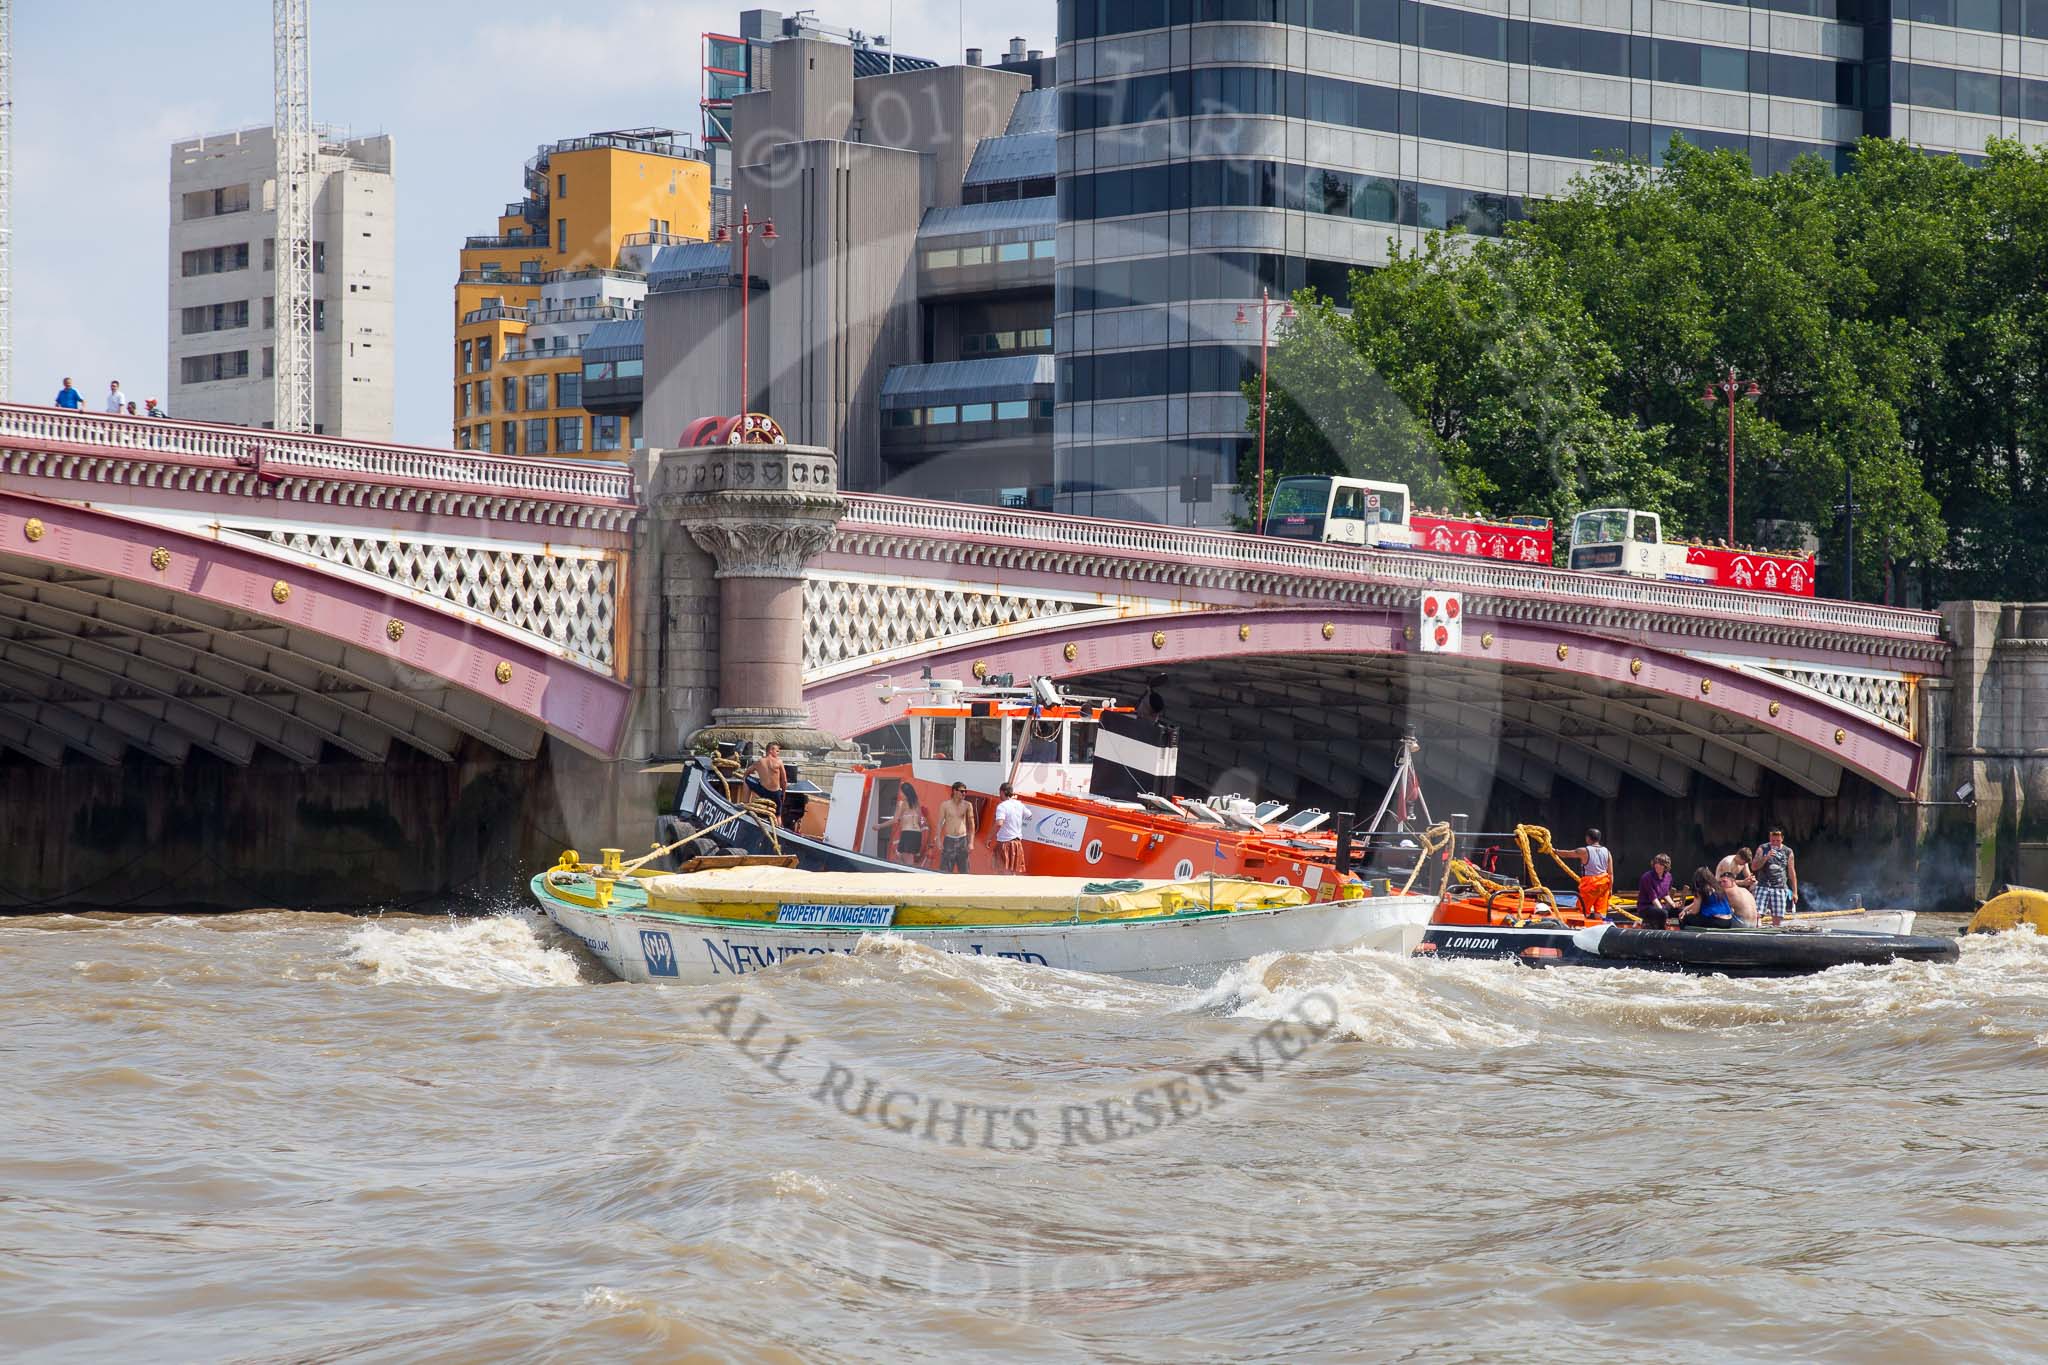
[(503, 952)]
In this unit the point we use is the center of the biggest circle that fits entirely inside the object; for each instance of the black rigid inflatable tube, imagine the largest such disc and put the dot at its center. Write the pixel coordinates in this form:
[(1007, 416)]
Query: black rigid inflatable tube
[(1737, 951)]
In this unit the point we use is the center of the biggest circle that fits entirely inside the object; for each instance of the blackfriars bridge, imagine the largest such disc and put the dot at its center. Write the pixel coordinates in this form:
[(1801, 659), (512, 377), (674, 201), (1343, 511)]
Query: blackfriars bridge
[(335, 640)]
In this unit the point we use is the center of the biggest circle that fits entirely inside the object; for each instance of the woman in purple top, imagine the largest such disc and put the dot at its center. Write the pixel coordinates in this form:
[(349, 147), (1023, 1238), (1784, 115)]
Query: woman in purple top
[(1654, 901)]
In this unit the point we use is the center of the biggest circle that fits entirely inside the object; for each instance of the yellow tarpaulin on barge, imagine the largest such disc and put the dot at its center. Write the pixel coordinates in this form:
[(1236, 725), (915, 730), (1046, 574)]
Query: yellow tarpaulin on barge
[(758, 893)]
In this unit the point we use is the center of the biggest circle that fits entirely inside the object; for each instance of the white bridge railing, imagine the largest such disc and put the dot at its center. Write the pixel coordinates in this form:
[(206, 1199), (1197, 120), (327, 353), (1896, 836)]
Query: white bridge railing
[(873, 512), (158, 438)]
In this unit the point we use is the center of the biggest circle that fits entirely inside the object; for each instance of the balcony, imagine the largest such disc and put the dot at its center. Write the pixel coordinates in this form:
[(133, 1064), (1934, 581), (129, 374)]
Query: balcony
[(540, 353), (589, 273), (603, 312), (633, 239), (508, 243), (496, 312), (652, 141), (517, 277)]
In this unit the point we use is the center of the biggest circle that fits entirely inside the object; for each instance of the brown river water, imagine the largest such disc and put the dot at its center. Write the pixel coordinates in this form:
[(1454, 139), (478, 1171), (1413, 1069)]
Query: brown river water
[(272, 1137)]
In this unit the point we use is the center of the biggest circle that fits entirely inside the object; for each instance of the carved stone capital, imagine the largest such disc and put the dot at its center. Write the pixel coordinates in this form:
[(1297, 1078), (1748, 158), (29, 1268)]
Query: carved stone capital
[(747, 548), (758, 511)]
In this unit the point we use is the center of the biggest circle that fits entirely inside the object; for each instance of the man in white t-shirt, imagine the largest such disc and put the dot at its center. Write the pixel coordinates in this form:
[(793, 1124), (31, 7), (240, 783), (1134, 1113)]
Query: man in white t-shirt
[(1010, 815), (117, 401)]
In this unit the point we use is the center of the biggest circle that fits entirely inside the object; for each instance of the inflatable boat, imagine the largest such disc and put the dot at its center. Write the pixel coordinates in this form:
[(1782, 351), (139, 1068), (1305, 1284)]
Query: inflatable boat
[(1709, 952)]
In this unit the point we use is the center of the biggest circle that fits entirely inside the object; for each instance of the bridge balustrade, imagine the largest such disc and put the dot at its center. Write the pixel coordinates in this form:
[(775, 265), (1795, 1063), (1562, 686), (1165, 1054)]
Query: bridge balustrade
[(315, 456), (1167, 543)]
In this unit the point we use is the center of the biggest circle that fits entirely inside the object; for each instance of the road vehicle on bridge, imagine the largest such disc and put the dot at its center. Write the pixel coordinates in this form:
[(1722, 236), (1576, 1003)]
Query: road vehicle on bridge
[(1382, 516), (1621, 540)]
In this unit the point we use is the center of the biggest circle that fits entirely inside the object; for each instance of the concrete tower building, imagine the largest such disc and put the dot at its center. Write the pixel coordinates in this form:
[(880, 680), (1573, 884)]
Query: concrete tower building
[(222, 315)]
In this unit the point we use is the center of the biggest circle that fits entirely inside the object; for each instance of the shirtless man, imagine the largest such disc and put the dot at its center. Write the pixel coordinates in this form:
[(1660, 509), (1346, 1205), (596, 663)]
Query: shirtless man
[(956, 830), (1736, 865), (772, 777), (1740, 901)]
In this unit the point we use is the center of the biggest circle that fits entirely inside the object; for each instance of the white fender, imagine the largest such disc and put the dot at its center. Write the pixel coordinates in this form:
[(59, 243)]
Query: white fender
[(1587, 940)]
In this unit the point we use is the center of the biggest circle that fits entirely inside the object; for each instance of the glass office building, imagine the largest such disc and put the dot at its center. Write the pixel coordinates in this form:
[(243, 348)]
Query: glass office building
[(1209, 149)]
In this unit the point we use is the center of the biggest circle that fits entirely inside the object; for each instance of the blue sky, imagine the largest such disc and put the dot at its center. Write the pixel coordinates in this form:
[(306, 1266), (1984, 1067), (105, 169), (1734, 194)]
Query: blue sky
[(468, 91)]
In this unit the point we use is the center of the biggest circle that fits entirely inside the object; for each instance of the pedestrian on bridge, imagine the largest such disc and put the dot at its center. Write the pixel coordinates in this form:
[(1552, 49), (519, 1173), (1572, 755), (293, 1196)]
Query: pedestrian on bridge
[(69, 398), (151, 408), (117, 401)]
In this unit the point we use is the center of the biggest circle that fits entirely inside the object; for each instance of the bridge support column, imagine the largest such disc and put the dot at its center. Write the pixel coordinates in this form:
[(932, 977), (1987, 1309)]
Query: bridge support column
[(762, 513), (1997, 738)]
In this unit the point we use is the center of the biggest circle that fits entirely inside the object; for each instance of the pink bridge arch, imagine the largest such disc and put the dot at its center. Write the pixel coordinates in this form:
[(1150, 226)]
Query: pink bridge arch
[(1589, 677), (851, 706), (117, 632)]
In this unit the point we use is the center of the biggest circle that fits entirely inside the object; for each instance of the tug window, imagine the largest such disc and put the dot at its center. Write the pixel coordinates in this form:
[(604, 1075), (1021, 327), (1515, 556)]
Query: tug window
[(941, 739), (1081, 743), (984, 740), (1038, 741)]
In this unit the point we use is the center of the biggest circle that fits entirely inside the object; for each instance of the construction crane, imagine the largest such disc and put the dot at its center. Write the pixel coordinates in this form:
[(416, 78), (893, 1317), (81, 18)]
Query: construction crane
[(296, 167), (6, 198)]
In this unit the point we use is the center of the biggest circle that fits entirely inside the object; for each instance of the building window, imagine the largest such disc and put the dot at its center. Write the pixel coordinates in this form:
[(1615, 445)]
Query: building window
[(468, 349), (483, 354), (568, 435), (536, 393), (319, 315), (483, 437), (218, 260), (483, 397), (511, 394), (1013, 251), (269, 362), (217, 317), (462, 439), (536, 435), (1019, 411), (207, 369), (562, 185), (569, 390), (561, 235), (270, 253), (977, 412), (213, 203), (604, 433), (319, 258), (465, 398), (511, 438)]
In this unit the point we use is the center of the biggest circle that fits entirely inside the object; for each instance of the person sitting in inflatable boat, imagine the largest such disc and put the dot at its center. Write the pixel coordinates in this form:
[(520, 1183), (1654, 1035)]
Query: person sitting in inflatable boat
[(1710, 907)]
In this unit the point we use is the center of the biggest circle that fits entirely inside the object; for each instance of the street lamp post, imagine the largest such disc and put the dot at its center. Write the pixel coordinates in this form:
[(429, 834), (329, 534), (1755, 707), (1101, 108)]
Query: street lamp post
[(745, 231), (1732, 388), (1265, 375)]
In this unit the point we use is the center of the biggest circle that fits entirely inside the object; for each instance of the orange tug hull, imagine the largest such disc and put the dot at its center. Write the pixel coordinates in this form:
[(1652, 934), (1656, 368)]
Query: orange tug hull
[(1080, 836)]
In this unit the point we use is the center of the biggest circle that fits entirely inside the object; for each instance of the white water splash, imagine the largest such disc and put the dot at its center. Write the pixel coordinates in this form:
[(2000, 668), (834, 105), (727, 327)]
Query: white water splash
[(503, 952)]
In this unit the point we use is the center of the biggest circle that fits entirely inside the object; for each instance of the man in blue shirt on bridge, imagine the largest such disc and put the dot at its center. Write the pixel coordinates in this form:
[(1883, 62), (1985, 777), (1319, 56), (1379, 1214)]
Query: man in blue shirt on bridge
[(68, 397)]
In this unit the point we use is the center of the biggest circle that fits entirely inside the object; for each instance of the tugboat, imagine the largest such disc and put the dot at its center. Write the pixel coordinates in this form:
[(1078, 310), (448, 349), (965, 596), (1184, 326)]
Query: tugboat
[(1097, 779), (1479, 917)]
